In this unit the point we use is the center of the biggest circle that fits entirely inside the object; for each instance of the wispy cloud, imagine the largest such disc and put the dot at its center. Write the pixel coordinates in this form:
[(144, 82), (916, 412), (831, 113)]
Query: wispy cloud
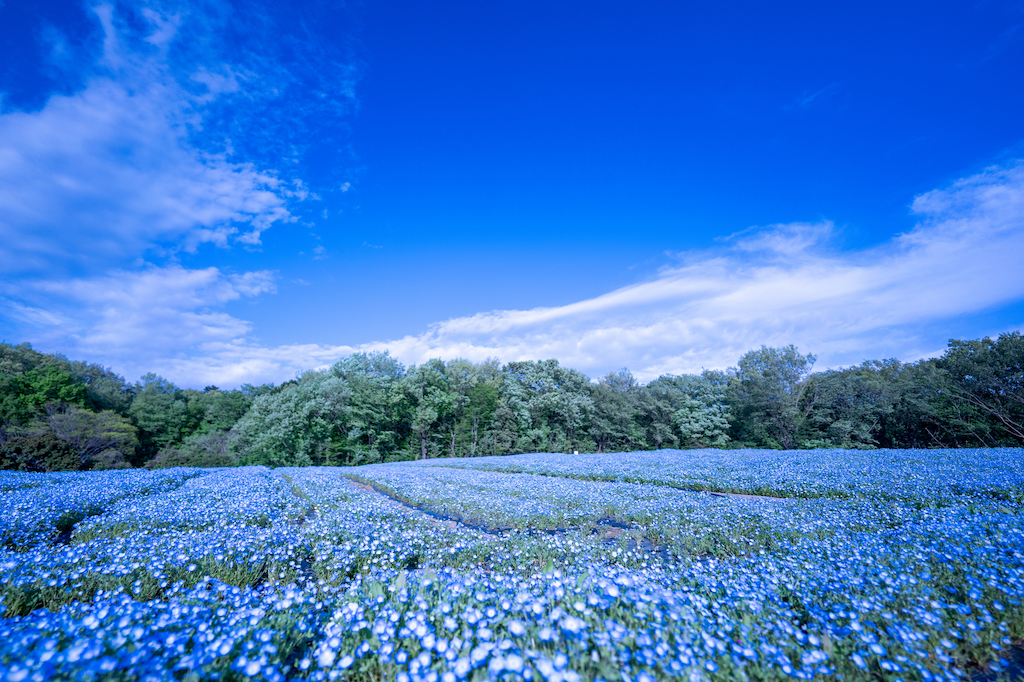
[(142, 163), (1004, 42), (177, 139), (139, 315), (187, 127), (111, 170), (777, 285), (807, 100), (780, 285)]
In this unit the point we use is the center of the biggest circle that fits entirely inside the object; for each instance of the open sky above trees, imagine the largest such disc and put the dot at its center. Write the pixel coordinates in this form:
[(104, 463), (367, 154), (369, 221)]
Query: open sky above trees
[(228, 193)]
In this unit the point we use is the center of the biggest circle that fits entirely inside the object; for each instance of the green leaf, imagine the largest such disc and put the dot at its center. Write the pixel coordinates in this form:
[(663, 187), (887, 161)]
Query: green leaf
[(429, 577)]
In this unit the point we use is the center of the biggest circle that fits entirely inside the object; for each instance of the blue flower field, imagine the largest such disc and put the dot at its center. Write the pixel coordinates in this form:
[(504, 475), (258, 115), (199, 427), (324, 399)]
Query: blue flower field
[(690, 565)]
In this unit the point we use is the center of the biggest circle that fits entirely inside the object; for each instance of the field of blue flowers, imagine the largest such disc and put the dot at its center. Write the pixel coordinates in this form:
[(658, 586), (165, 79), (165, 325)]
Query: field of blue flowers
[(697, 565)]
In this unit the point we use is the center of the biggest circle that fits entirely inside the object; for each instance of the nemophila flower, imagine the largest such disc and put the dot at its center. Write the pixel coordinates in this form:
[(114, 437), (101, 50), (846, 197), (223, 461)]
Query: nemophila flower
[(637, 608)]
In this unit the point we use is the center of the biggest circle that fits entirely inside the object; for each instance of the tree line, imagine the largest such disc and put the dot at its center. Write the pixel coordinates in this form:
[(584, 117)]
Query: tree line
[(57, 414)]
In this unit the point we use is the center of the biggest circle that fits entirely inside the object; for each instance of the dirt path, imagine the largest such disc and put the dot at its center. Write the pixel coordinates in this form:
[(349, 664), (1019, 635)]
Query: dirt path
[(450, 522), (747, 497)]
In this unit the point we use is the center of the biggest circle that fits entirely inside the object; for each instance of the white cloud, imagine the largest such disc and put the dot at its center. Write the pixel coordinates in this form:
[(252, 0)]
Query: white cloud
[(132, 318), (109, 172), (778, 286), (99, 184), (237, 362)]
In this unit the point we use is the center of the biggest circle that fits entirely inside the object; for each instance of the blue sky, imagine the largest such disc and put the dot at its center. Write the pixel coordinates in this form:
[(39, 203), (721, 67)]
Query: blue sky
[(224, 193)]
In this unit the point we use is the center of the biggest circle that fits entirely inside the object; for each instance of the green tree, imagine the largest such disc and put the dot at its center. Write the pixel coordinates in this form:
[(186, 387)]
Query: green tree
[(850, 408), (692, 409), (38, 452), (24, 396), (105, 389), (15, 409), (375, 426), (432, 402), (214, 410), (286, 428), (102, 440), (461, 377), (987, 377), (18, 359), (551, 404), (160, 411), (480, 412), (767, 396), (614, 426), (928, 414), (70, 438), (206, 449)]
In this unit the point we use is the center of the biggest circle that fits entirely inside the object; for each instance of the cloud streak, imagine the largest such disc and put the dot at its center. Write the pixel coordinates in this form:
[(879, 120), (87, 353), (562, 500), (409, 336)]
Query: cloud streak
[(141, 315), (140, 165), (778, 285)]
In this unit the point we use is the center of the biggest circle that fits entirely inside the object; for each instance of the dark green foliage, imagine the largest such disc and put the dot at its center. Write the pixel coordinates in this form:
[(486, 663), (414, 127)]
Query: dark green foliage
[(40, 452), (30, 379), (767, 396), (215, 410), (105, 390), (14, 409), (26, 395), (103, 440), (375, 424), (209, 449), (614, 425), (160, 411), (848, 408), (986, 379), (432, 401), (43, 393), (691, 411), (480, 412), (369, 408), (551, 405), (70, 438)]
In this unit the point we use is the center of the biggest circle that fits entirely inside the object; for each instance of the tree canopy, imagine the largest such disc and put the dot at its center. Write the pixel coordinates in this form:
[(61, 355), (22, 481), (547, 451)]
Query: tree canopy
[(368, 407)]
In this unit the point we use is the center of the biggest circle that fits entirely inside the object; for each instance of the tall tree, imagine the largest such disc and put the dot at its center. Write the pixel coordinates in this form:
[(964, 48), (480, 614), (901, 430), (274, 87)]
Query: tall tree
[(24, 396), (988, 376), (102, 440), (432, 401), (693, 409), (613, 424), (850, 407), (376, 425), (462, 377), (217, 410), (767, 396), (479, 385), (551, 403), (160, 411), (294, 426)]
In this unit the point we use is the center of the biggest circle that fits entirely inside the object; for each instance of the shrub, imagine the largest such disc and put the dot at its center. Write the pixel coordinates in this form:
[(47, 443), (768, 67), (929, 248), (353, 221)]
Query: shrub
[(198, 450), (40, 452), (110, 459)]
